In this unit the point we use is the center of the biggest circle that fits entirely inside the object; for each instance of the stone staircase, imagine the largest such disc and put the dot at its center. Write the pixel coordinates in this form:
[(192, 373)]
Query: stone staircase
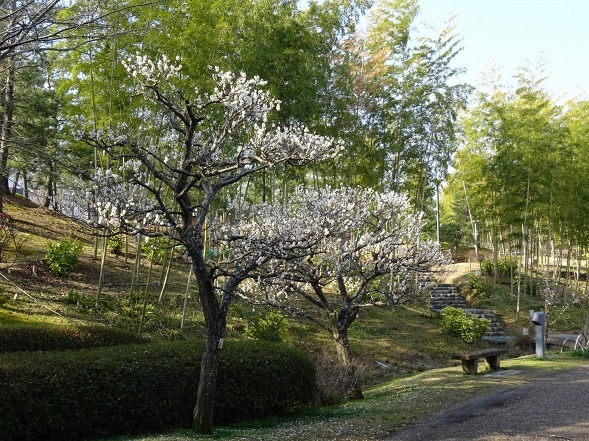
[(443, 295)]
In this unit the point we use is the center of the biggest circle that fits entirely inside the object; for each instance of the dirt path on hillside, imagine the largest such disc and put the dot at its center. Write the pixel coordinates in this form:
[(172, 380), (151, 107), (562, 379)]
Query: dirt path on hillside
[(457, 272)]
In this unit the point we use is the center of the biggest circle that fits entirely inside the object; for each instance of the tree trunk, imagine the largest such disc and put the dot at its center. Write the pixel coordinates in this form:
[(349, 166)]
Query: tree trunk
[(186, 294), (164, 282), (207, 384), (49, 199), (15, 183), (215, 315), (137, 265), (344, 354), (7, 122), (145, 297), (102, 266), (25, 181)]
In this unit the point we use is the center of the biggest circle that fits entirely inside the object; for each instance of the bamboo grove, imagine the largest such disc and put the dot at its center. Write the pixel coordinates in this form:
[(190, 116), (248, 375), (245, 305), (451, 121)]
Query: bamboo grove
[(520, 185), (168, 119)]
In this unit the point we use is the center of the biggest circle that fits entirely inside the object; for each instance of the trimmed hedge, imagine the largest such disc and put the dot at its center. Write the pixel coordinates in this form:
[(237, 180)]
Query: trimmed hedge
[(134, 389), (59, 338)]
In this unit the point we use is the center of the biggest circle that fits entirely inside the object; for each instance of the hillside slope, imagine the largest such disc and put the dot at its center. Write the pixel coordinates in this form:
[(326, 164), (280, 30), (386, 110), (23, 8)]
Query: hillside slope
[(385, 341)]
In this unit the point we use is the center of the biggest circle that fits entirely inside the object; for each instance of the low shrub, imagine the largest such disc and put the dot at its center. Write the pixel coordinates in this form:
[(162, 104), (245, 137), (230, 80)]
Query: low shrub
[(466, 325), (505, 266), (487, 266), (155, 249), (63, 256), (133, 389), (581, 353), (260, 378), (333, 380), (531, 286), (478, 289), (272, 327), (8, 233), (115, 243)]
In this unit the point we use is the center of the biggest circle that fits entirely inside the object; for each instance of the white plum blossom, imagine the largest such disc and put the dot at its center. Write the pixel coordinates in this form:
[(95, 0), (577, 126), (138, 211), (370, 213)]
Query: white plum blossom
[(332, 252), (221, 148), (356, 233), (241, 95), (149, 71), (119, 203)]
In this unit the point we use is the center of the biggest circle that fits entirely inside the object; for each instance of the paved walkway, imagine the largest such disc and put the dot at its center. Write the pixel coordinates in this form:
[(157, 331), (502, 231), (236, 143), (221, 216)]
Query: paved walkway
[(550, 408)]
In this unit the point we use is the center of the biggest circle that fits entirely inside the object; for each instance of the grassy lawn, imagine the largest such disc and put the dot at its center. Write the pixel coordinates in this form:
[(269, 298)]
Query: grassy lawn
[(387, 407)]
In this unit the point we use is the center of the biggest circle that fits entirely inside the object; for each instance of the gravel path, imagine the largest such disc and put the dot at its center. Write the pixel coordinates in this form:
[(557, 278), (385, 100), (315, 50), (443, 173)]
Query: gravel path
[(551, 408)]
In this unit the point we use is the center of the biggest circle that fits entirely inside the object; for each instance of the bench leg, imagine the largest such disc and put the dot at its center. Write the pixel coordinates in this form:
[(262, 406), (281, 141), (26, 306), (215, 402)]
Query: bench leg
[(493, 362), (470, 366)]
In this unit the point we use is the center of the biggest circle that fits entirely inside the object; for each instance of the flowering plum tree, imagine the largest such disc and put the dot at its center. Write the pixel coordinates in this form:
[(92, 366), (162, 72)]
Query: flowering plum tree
[(354, 247), (177, 159)]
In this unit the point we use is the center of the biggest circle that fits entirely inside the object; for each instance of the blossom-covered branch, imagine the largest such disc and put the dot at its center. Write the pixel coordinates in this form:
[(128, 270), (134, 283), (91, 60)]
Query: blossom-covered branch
[(355, 247)]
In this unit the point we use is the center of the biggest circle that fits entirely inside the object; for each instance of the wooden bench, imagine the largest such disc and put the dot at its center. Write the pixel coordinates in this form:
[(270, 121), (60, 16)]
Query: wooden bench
[(470, 360)]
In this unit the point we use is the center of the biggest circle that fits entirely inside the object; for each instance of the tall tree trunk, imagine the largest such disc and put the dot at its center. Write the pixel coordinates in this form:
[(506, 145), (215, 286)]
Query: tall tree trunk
[(344, 354), (15, 183), (578, 272), (25, 180), (586, 292), (145, 297), (137, 265), (215, 315), (7, 122), (102, 266), (473, 224), (207, 384), (50, 186), (164, 282), (186, 295)]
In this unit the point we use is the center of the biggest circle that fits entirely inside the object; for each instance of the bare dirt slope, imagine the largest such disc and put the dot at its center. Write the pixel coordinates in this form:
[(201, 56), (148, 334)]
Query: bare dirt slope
[(457, 273)]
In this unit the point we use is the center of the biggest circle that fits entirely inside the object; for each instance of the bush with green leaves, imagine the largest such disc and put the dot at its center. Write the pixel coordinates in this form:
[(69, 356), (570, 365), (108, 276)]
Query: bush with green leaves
[(479, 292), (155, 248), (135, 389), (487, 266), (272, 327), (115, 243), (505, 266), (7, 233), (583, 352), (459, 322), (63, 256), (531, 286)]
